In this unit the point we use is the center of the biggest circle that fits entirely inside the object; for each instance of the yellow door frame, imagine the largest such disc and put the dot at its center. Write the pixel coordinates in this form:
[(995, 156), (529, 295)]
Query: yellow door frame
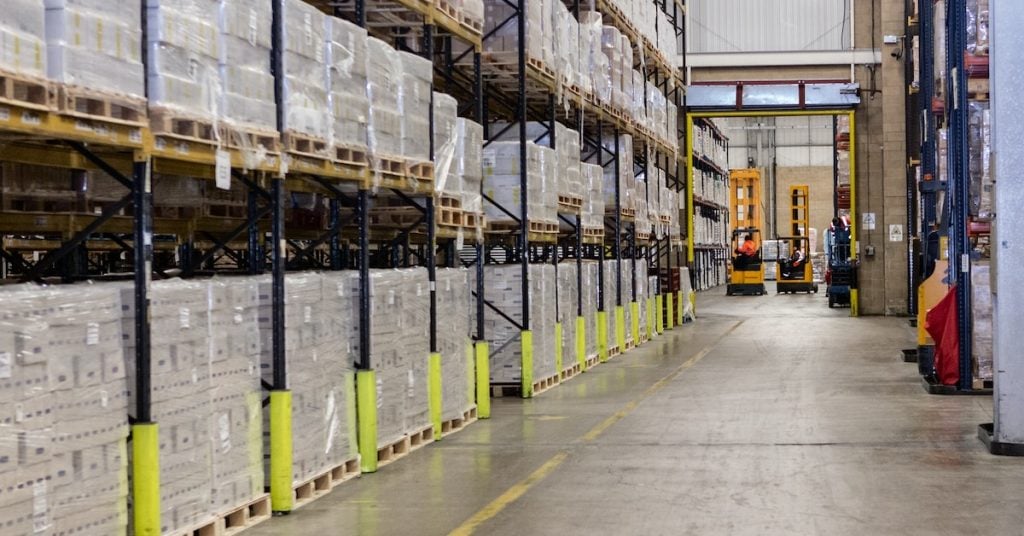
[(691, 116)]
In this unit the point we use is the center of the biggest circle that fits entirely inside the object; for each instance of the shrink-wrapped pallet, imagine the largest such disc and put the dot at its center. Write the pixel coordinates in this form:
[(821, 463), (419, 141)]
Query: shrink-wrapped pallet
[(643, 293), (306, 111), (611, 47), (599, 67), (501, 24), (23, 39), (467, 163), (584, 43), (592, 179), (63, 390), (454, 303), (626, 178), (183, 56), (625, 73), (347, 74), (503, 288), (564, 45), (319, 325), (384, 82), (501, 165), (414, 105), (611, 298), (590, 303), (447, 182), (245, 77), (399, 349), (181, 395), (568, 290), (96, 45)]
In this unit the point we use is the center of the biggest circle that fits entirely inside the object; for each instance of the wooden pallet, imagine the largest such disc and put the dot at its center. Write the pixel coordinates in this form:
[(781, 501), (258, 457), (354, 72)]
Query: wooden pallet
[(613, 351), (475, 25), (643, 337), (100, 105), (473, 220), (352, 156), (216, 210), (323, 483), (389, 168), (630, 344), (244, 137), (505, 226), (571, 204), (231, 521), (165, 122), (571, 372), (27, 91), (644, 237), (544, 384), (978, 88), (454, 425), (420, 170), (306, 145), (407, 444)]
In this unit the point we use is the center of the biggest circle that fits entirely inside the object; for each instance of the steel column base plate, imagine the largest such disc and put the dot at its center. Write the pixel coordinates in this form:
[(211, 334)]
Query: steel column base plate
[(933, 387), (986, 433), (910, 355)]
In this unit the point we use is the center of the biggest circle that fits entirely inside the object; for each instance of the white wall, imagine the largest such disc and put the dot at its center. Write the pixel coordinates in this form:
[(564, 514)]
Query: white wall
[(769, 25)]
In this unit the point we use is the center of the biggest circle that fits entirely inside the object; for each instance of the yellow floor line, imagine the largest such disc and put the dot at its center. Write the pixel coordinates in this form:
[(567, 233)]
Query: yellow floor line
[(520, 488)]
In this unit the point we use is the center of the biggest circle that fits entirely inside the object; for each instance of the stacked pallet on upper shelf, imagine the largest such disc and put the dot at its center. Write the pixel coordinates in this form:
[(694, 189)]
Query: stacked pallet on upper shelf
[(502, 184), (457, 146), (592, 219)]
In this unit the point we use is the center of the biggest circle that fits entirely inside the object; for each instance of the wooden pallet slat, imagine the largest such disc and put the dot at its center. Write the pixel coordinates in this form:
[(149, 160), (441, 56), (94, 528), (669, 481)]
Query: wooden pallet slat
[(407, 444), (101, 105), (324, 482), (27, 91), (164, 122)]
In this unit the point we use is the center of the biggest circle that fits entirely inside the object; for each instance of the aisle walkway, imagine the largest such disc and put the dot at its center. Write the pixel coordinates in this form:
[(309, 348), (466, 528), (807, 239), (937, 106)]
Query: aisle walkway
[(771, 415)]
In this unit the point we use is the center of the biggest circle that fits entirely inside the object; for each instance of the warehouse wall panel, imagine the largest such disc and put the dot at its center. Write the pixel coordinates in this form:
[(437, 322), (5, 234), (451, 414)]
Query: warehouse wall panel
[(769, 25)]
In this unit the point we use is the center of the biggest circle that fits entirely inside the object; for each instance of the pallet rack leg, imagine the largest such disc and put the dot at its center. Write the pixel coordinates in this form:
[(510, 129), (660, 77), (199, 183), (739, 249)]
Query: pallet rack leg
[(434, 391), (670, 321), (659, 311), (146, 478), (581, 342), (527, 362), (281, 496), (483, 380), (366, 416)]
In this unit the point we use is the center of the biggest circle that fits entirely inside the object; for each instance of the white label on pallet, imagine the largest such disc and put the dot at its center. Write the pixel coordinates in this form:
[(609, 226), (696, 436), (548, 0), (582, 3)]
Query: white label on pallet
[(5, 365), (224, 429), (30, 118), (40, 514), (135, 135), (307, 314), (411, 389), (19, 412), (104, 399), (222, 172), (5, 114), (92, 333)]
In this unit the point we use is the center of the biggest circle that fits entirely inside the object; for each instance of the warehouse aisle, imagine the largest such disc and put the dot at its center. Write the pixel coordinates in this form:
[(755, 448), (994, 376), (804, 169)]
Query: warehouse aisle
[(771, 415)]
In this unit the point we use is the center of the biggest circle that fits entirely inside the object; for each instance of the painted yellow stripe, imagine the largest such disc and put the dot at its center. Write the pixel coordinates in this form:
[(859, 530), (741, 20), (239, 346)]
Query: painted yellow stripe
[(520, 488)]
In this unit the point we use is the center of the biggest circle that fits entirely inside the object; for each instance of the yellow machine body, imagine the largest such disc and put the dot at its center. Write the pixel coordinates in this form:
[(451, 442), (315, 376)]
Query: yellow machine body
[(746, 275), (801, 278)]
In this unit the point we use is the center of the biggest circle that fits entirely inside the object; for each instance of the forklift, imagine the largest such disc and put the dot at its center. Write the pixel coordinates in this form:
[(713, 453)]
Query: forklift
[(746, 272), (841, 276), (796, 273)]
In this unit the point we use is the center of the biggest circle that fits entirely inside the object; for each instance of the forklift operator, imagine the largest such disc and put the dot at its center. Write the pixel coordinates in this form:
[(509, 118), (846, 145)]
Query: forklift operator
[(746, 253), (748, 249)]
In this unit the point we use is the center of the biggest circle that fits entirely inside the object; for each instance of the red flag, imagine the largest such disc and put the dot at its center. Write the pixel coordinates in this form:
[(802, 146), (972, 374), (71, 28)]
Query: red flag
[(941, 323)]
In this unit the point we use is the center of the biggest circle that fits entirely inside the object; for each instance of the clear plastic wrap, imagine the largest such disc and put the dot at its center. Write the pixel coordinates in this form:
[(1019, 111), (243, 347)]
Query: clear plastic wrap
[(611, 47), (503, 288), (320, 329), (247, 82), (399, 350), (502, 182), (589, 295), (611, 293), (585, 44), (593, 205), (384, 80), (181, 394), (568, 290), (347, 79), (414, 105), (982, 320), (980, 147), (182, 65), (599, 67), (504, 41), (472, 10), (305, 85), (627, 181), (96, 45), (467, 165), (23, 38), (625, 72), (63, 461), (453, 339), (446, 181)]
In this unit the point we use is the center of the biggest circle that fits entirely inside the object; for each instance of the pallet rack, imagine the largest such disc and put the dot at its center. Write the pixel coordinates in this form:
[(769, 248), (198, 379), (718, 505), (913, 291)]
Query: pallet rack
[(943, 237), (708, 259), (255, 239)]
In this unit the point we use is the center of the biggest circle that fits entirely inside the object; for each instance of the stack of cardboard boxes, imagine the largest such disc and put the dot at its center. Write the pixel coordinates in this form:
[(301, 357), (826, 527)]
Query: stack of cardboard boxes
[(454, 343)]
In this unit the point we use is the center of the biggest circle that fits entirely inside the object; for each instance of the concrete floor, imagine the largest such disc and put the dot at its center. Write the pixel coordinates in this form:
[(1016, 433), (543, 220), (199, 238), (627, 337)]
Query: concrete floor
[(770, 415)]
